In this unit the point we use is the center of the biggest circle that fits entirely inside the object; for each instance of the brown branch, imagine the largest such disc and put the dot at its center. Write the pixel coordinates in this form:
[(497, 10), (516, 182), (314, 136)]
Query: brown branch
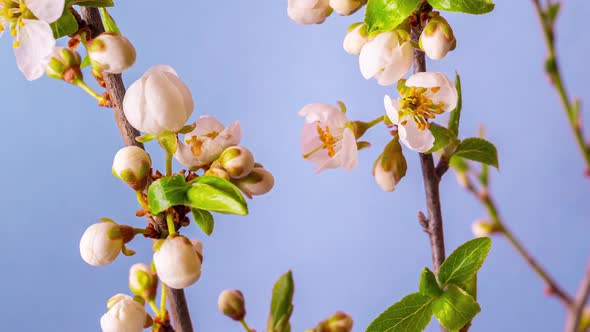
[(116, 90), (577, 308)]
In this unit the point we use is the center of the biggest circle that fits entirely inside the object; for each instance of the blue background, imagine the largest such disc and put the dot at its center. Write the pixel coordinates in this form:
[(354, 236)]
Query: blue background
[(351, 246)]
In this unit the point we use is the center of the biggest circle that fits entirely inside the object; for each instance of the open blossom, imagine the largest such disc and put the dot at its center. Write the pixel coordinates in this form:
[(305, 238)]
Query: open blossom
[(28, 21), (178, 261), (437, 38), (206, 142), (158, 102), (326, 139), (309, 11), (124, 315), (356, 38), (347, 7), (387, 58), (424, 96)]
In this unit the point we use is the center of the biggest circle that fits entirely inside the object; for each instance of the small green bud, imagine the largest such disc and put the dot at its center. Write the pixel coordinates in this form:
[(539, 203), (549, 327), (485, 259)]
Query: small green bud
[(437, 38), (143, 281), (65, 65), (338, 322), (237, 161), (390, 167), (232, 304)]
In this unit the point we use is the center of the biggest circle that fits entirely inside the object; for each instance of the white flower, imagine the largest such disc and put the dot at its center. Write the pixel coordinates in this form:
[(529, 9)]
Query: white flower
[(158, 102), (347, 7), (28, 21), (207, 141), (111, 53), (425, 96), (356, 38), (258, 182), (132, 165), (123, 315), (437, 38), (102, 242), (386, 58), (178, 262), (309, 11), (326, 139), (237, 161)]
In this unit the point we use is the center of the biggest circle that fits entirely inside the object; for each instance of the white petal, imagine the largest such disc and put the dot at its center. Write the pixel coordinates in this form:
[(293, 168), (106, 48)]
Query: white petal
[(206, 125), (401, 62), (308, 4), (160, 69), (392, 107), (46, 10), (349, 151), (447, 93), (377, 53), (415, 139), (35, 49), (324, 113)]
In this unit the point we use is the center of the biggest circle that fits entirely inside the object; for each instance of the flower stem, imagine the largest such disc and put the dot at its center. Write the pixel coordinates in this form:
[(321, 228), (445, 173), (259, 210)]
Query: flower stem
[(374, 122), (163, 300), (168, 164), (170, 223), (154, 307), (87, 89), (141, 200), (245, 325)]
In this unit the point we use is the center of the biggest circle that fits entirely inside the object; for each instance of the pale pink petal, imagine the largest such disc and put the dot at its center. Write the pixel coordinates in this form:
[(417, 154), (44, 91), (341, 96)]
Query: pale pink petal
[(35, 49), (324, 113), (206, 124), (414, 138), (232, 134), (185, 156), (310, 141), (401, 62), (46, 10), (447, 93), (377, 54), (392, 107), (348, 153)]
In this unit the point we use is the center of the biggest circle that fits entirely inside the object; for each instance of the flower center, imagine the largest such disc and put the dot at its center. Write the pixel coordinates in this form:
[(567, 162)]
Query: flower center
[(196, 145), (328, 140), (12, 15), (417, 105)]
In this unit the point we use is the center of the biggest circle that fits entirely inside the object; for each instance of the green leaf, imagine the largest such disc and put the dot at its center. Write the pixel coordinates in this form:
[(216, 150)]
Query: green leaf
[(463, 6), (442, 137), (108, 22), (552, 12), (428, 284), (478, 149), (166, 192), (464, 262), (85, 63), (90, 3), (383, 15), (411, 314), (459, 164), (455, 308), (455, 116), (281, 305), (470, 286), (65, 25), (217, 195), (204, 220)]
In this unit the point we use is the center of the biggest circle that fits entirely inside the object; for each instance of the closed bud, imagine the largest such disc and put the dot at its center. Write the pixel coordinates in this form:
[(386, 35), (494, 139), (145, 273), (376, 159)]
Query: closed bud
[(356, 37), (437, 38), (111, 53), (309, 11), (124, 314), (218, 172), (338, 322), (237, 161), (347, 7), (390, 167), (65, 65), (132, 164), (258, 182), (483, 228), (178, 261), (102, 242), (231, 304), (143, 281), (159, 102)]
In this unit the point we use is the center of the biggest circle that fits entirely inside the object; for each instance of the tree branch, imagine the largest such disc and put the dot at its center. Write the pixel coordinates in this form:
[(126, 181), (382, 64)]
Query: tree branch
[(577, 308), (116, 90)]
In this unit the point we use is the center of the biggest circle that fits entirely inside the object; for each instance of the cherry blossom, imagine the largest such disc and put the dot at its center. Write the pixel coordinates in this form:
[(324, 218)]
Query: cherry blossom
[(387, 58)]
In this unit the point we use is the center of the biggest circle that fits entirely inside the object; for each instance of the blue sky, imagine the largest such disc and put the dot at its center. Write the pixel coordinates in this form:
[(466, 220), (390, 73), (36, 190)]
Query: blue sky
[(351, 246)]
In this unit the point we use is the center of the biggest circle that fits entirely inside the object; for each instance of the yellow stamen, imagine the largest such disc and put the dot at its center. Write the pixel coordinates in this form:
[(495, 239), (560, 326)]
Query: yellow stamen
[(328, 140)]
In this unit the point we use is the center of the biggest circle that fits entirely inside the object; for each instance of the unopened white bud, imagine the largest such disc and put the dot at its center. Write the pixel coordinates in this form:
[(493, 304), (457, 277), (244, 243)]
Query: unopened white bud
[(218, 172), (158, 102), (178, 262), (258, 182), (437, 38), (237, 161), (111, 53), (132, 164), (356, 38), (143, 281), (390, 167), (65, 65), (102, 242), (232, 304), (309, 11), (483, 228), (124, 315), (347, 7)]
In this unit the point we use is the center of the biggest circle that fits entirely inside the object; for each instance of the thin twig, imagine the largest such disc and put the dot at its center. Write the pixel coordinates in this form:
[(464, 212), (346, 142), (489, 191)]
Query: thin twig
[(116, 90), (577, 309)]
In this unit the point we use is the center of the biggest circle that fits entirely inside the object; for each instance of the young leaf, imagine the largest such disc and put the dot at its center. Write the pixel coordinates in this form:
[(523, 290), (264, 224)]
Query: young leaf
[(166, 192), (411, 314), (459, 164), (455, 116), (217, 195), (442, 136), (478, 149), (90, 3), (65, 25), (281, 305), (455, 308), (463, 6), (108, 22), (204, 220), (383, 15), (428, 284), (464, 262)]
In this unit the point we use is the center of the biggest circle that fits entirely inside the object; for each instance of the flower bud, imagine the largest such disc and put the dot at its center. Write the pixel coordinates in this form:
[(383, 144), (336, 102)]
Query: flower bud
[(178, 262), (111, 53), (158, 102), (124, 314), (356, 38), (237, 161), (102, 242), (309, 11), (143, 281), (218, 172), (338, 322), (390, 167), (231, 304), (65, 65), (483, 228), (347, 7), (132, 164), (258, 182), (437, 38)]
